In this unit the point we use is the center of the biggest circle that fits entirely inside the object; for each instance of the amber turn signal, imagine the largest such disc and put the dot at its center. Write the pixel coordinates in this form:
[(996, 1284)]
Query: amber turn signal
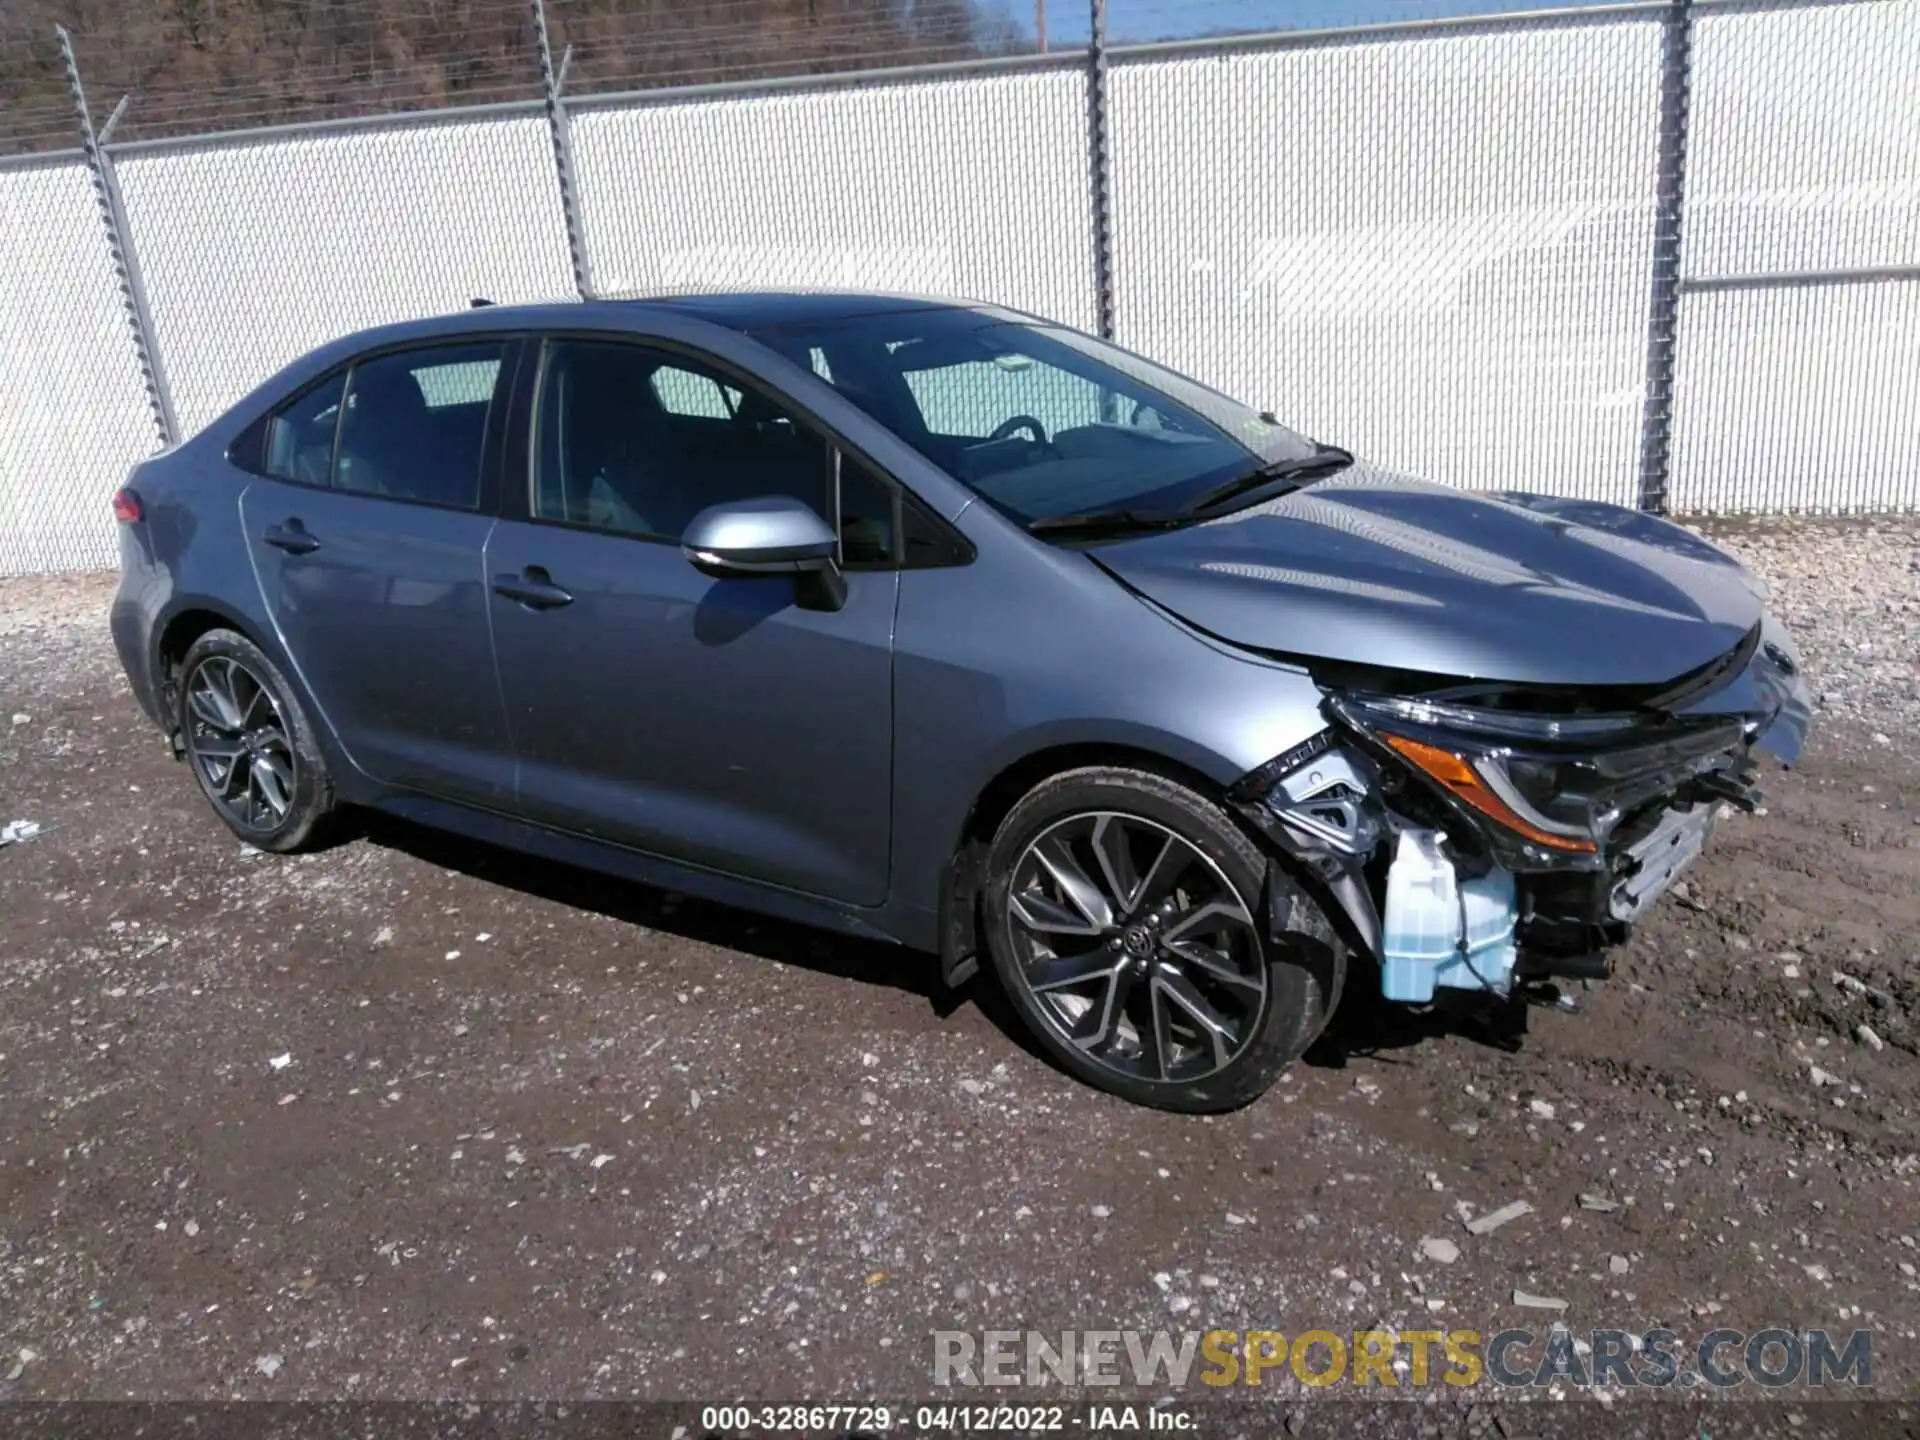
[(1463, 782)]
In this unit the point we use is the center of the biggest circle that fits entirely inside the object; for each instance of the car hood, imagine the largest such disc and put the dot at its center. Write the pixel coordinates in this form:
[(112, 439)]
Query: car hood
[(1380, 569)]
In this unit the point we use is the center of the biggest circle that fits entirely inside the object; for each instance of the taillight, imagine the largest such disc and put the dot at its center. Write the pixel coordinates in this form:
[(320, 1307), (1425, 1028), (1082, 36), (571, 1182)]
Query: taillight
[(126, 507)]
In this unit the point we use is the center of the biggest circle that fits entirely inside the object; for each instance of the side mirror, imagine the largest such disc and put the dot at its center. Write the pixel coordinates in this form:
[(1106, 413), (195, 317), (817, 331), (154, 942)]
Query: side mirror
[(771, 535)]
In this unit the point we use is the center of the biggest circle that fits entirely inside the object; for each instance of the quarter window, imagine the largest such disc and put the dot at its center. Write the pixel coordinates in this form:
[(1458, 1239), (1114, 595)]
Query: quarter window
[(866, 516), (300, 435), (416, 424)]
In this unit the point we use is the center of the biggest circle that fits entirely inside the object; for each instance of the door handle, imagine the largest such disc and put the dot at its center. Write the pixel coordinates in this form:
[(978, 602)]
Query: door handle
[(291, 537), (533, 588)]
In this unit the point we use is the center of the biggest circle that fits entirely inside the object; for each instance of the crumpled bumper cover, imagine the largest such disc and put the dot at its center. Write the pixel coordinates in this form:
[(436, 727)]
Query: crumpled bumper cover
[(1666, 793), (1769, 692)]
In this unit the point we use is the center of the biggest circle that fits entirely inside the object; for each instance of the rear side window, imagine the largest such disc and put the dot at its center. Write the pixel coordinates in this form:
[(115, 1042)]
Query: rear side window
[(415, 426), (300, 435)]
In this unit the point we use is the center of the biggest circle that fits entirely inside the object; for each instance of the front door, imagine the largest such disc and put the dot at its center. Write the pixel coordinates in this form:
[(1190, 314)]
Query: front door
[(371, 561), (714, 721)]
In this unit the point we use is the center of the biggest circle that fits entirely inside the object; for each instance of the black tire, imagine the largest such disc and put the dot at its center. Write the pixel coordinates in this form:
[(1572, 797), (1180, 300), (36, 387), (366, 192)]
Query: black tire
[(1303, 970), (228, 655)]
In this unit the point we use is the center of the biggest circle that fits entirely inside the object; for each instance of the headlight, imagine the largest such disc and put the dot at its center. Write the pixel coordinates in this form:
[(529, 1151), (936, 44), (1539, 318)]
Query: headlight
[(1517, 725), (1481, 783), (1470, 755)]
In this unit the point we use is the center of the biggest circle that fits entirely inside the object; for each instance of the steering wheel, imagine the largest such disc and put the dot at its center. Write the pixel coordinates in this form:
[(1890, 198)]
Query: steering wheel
[(1014, 424)]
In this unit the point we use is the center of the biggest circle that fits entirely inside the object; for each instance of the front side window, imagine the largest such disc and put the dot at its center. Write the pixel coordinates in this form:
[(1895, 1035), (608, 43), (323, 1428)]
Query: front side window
[(637, 441), (415, 426), (299, 441), (1040, 420)]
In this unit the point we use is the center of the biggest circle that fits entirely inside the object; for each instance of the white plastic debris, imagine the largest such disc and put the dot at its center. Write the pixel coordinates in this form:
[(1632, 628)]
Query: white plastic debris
[(1440, 1251), (281, 1062), (1537, 1302), (269, 1365), (18, 832), (1494, 1219)]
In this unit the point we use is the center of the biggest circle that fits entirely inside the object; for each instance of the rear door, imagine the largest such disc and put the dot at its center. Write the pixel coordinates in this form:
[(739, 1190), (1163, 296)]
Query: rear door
[(714, 721), (368, 534)]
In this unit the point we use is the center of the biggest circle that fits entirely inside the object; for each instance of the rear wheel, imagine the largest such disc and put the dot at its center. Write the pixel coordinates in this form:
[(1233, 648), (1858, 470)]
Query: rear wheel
[(1126, 921), (249, 744)]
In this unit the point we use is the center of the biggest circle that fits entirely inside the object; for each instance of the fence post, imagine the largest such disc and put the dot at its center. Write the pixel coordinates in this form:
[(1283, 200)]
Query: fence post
[(1100, 154), (562, 134), (126, 263), (1663, 310)]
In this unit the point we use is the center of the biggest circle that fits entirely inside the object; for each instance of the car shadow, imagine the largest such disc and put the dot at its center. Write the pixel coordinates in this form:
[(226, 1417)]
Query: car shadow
[(845, 957), (1367, 1025)]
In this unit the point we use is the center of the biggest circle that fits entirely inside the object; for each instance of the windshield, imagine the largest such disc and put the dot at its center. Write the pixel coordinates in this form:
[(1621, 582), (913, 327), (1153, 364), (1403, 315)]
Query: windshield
[(1039, 420)]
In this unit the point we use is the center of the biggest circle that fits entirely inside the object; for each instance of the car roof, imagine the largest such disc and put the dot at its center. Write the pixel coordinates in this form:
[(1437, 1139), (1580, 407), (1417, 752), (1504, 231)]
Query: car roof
[(763, 309), (741, 310)]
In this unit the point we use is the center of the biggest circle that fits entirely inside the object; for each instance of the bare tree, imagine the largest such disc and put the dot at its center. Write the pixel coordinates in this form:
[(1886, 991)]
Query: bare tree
[(195, 65)]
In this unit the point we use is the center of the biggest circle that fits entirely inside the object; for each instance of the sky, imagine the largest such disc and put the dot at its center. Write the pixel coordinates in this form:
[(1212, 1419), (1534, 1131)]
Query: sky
[(1133, 20)]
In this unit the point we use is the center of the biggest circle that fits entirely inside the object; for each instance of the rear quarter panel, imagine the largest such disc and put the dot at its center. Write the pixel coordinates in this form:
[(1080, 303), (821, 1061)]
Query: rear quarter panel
[(189, 556)]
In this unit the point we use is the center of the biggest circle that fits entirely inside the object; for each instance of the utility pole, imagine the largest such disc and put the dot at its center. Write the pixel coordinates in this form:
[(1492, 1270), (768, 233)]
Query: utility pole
[(1040, 25)]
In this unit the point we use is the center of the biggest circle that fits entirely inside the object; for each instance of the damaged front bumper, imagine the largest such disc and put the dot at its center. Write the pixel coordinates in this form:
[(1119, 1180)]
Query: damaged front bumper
[(1593, 809)]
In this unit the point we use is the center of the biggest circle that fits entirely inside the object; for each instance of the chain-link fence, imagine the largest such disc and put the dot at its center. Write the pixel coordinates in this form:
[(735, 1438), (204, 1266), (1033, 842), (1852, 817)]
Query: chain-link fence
[(1664, 254)]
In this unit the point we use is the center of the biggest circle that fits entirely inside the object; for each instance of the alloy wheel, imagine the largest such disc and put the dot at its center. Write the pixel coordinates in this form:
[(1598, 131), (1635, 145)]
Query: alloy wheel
[(238, 741), (1135, 947)]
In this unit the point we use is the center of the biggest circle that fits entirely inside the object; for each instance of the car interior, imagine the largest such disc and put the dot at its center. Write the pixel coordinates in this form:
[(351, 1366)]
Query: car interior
[(395, 444), (630, 442), (1032, 437)]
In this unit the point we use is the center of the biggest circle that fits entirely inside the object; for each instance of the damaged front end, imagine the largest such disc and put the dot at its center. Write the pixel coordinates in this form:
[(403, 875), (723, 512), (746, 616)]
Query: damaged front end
[(1490, 837)]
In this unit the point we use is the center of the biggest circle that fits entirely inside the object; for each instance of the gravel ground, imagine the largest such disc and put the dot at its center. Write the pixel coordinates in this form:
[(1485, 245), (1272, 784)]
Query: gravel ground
[(416, 1118)]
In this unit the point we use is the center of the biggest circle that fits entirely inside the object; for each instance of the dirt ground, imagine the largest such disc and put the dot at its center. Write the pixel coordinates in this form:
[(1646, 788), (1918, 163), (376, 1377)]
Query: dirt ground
[(416, 1118)]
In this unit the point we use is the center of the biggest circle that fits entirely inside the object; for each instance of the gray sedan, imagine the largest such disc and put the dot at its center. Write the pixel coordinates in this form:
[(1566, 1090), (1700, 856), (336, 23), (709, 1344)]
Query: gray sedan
[(951, 626)]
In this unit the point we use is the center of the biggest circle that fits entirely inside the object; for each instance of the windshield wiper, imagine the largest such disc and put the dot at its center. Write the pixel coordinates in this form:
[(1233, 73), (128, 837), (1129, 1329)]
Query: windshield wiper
[(1324, 461), (1108, 521)]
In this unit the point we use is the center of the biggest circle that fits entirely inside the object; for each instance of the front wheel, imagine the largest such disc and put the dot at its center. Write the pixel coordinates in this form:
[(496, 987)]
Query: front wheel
[(1126, 922)]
